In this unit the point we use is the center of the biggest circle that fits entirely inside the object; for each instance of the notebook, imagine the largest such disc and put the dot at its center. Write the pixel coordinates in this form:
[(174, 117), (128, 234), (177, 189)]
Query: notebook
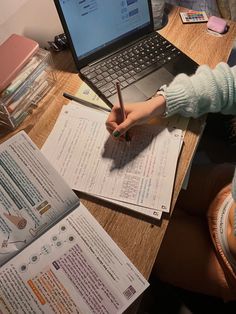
[(15, 52), (114, 40)]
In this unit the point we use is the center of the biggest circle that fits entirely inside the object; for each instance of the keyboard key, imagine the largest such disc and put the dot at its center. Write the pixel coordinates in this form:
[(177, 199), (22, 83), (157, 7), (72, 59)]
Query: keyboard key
[(114, 76), (130, 80), (107, 93), (99, 84), (124, 84), (146, 71), (91, 75), (106, 87)]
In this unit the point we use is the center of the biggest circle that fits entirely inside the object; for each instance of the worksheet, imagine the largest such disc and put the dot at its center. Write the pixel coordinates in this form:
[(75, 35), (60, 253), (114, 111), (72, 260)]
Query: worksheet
[(139, 173)]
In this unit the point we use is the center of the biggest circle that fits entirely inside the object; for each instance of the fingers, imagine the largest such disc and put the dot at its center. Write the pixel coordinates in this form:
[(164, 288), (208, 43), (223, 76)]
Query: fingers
[(114, 119), (115, 124), (123, 127), (136, 114), (111, 126), (114, 115)]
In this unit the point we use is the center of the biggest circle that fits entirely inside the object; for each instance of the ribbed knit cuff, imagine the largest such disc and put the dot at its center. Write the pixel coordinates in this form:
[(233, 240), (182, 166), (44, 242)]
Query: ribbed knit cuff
[(176, 101)]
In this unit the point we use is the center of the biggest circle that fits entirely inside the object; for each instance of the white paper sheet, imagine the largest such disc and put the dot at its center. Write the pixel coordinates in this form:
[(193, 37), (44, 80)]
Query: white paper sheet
[(140, 173)]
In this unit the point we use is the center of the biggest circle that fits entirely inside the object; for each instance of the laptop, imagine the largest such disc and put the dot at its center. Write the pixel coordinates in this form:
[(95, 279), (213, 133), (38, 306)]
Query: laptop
[(114, 40)]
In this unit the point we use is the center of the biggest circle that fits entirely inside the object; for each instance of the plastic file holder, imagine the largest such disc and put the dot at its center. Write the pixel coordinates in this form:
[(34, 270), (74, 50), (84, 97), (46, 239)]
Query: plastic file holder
[(26, 90)]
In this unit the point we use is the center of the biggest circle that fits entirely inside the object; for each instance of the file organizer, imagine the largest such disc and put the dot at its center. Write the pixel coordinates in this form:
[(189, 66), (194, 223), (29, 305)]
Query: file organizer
[(24, 93)]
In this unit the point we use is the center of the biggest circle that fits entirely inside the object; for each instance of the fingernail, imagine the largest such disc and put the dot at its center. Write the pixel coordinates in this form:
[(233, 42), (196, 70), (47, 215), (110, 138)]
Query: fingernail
[(116, 134)]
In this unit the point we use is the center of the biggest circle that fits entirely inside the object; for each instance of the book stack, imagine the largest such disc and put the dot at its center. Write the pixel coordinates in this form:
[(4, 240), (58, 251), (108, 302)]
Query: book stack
[(26, 89)]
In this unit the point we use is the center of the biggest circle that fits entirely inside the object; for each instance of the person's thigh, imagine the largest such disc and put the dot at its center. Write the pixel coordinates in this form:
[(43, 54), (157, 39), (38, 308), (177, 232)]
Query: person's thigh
[(204, 183), (187, 259)]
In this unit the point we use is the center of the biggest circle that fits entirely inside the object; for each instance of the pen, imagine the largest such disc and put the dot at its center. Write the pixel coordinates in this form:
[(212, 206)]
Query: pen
[(122, 109), (85, 102)]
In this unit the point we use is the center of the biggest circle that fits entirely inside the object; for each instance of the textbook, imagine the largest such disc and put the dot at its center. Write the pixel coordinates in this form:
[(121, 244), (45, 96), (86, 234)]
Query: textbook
[(54, 255)]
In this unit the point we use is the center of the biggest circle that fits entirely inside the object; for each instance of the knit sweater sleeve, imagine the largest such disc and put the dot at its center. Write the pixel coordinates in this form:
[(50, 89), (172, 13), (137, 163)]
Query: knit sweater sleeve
[(208, 90)]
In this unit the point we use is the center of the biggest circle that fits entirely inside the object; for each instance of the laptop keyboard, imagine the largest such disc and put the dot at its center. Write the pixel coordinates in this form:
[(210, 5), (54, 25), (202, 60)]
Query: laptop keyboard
[(131, 64)]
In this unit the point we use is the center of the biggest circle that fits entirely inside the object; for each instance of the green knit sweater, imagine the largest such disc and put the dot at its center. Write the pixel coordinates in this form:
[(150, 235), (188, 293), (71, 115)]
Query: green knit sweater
[(206, 91)]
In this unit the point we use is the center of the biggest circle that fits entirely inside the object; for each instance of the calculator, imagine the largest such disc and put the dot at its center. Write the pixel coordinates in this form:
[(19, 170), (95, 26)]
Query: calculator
[(193, 16)]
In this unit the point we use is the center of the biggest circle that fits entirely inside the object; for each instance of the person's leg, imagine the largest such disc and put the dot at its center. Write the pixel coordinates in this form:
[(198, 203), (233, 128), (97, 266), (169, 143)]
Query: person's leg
[(187, 256), (204, 183), (187, 259)]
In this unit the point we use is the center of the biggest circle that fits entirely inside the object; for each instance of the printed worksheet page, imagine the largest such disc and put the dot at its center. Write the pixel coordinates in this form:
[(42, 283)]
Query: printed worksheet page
[(140, 172)]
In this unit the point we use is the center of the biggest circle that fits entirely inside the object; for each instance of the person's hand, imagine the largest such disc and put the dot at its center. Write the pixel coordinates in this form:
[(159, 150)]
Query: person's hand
[(136, 114)]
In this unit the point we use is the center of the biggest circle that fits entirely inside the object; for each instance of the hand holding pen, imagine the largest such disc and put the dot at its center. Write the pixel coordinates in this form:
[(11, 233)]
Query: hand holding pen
[(137, 113)]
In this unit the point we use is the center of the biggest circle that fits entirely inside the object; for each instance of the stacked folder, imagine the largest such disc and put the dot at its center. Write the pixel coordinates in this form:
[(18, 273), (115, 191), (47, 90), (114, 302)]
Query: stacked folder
[(25, 91)]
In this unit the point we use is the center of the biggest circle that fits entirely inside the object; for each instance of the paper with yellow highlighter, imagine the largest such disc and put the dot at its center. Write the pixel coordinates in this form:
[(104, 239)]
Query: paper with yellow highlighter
[(86, 93)]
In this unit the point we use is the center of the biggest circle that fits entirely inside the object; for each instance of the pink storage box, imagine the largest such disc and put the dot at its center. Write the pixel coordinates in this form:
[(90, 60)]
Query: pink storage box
[(217, 24)]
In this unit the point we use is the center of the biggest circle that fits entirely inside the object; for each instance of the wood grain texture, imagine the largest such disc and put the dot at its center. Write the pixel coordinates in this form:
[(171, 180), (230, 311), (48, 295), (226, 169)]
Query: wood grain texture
[(195, 41), (139, 237)]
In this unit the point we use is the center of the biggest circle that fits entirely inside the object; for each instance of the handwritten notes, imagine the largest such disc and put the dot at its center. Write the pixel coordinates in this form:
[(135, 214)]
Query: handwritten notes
[(139, 175)]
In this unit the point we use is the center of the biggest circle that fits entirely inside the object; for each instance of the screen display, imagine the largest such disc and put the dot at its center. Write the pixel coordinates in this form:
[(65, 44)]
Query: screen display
[(93, 24)]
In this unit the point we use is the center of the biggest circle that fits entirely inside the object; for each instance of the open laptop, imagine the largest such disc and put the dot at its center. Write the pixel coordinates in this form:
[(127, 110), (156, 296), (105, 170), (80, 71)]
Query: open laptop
[(114, 40)]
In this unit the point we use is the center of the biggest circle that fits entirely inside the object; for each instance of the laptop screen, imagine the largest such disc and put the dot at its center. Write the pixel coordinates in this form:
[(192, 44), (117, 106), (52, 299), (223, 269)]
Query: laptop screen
[(94, 24)]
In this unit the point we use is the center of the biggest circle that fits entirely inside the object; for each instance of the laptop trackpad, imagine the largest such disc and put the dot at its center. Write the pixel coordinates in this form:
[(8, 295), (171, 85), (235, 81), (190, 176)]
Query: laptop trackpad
[(144, 88), (151, 83), (129, 94)]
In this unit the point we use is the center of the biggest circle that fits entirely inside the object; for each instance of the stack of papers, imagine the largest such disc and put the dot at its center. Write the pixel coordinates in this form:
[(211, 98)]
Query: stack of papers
[(138, 175)]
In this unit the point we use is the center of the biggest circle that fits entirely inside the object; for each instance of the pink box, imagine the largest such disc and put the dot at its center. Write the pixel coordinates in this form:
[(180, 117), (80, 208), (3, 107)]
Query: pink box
[(217, 24)]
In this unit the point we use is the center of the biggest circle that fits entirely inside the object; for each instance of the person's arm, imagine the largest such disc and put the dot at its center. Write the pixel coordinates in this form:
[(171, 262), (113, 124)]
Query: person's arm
[(191, 96), (206, 91)]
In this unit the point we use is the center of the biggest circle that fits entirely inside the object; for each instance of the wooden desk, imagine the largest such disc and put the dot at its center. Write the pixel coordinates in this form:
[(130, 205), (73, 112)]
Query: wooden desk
[(196, 42), (137, 236)]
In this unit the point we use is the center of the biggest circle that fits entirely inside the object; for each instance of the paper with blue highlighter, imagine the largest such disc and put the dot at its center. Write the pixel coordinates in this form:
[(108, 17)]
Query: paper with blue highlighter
[(138, 176)]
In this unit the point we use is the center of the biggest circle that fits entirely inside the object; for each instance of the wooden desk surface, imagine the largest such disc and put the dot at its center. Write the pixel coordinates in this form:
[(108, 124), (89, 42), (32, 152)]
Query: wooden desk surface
[(195, 41), (137, 236)]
